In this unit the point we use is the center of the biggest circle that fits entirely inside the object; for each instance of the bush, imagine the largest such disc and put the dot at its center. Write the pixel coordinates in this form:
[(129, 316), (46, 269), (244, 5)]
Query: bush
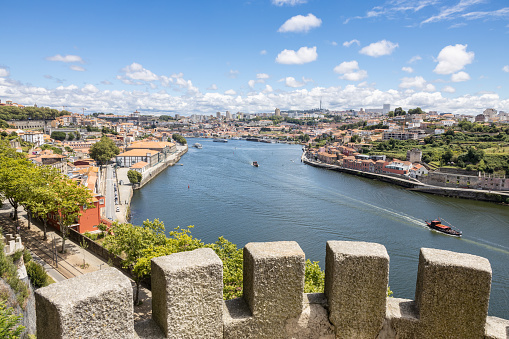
[(17, 255), (37, 275), (27, 257)]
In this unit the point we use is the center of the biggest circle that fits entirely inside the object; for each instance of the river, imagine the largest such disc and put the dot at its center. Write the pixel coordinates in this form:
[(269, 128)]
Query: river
[(219, 192)]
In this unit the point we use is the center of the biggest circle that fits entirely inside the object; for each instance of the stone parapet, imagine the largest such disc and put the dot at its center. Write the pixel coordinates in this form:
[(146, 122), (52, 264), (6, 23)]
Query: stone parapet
[(95, 305), (451, 300)]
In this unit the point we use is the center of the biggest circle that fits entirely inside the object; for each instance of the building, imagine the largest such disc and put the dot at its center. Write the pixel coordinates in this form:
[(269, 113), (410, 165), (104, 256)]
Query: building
[(36, 138), (277, 112), (414, 155), (129, 158), (88, 221), (399, 135), (386, 109)]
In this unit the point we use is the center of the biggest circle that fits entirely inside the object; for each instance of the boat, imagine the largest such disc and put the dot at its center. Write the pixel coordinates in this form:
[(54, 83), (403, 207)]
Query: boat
[(197, 145), (437, 225), (255, 164), (220, 140)]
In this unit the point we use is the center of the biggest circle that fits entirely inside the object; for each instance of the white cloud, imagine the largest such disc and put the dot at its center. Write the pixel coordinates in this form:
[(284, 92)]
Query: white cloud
[(448, 89), (350, 71), (65, 58), (230, 92), (136, 71), (212, 87), (263, 52), (291, 82), (300, 23), (288, 2), (417, 82), (302, 56), (233, 73), (452, 59), (379, 48), (77, 68), (448, 13), (460, 76), (506, 68), (262, 76), (351, 42), (414, 59), (334, 43), (407, 69), (4, 72), (500, 13), (251, 83), (161, 102), (268, 89), (106, 82)]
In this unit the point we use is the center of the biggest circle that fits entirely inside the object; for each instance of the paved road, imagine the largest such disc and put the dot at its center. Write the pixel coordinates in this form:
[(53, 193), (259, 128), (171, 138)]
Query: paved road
[(110, 194)]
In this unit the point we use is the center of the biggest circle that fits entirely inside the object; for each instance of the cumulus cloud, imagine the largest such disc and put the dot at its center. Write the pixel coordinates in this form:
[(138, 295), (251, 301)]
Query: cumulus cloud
[(291, 82), (407, 69), (161, 102), (417, 82), (251, 83), (262, 76), (77, 68), (351, 42), (379, 48), (506, 68), (65, 58), (263, 52), (288, 2), (300, 23), (448, 89), (212, 87), (302, 56), (414, 59), (4, 72), (350, 71), (268, 89), (460, 76), (230, 92), (452, 59), (136, 71)]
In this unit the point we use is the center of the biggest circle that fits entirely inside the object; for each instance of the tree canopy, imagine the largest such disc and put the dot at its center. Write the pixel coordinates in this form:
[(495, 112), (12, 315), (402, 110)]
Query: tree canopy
[(104, 150), (134, 176)]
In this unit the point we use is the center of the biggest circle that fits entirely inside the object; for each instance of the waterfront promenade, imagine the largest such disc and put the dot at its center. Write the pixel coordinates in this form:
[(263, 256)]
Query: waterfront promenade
[(416, 185), (125, 188)]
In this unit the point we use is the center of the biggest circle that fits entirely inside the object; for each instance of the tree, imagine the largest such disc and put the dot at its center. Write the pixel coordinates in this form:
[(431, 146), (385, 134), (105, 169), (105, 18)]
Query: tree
[(399, 111), (178, 138), (104, 150), (58, 135), (70, 198), (70, 136), (9, 323), (134, 176), (14, 179), (417, 110), (130, 242)]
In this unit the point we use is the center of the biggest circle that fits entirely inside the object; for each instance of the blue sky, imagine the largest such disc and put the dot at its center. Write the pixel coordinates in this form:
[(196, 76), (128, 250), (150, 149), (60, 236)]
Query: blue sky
[(167, 57)]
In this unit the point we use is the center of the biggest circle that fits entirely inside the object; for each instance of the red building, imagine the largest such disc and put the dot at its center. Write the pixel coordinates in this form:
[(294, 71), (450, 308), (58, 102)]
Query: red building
[(88, 221)]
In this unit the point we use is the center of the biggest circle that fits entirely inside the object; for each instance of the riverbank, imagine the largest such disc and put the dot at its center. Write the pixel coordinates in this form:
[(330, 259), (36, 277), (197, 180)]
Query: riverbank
[(126, 188), (413, 184)]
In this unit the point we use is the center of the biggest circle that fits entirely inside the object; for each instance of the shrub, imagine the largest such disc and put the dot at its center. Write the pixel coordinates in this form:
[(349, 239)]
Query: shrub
[(37, 275), (27, 257), (17, 255)]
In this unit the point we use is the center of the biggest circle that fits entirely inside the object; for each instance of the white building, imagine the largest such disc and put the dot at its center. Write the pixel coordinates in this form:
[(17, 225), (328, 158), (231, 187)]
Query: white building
[(36, 138)]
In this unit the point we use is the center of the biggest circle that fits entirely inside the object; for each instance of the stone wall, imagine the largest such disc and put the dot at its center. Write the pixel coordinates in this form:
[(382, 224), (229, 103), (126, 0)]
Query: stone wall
[(451, 298)]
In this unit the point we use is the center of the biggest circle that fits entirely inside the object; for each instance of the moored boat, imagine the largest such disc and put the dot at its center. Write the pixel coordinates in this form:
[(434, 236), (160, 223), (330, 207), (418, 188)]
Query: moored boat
[(220, 140), (437, 225), (197, 145), (255, 164)]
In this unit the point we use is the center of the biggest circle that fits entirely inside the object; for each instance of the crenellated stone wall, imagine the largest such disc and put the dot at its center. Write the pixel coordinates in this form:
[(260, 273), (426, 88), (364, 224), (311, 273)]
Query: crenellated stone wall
[(451, 298)]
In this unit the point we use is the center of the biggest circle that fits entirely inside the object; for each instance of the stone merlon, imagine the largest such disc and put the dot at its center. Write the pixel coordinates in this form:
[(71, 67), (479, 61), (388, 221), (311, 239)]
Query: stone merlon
[(451, 298)]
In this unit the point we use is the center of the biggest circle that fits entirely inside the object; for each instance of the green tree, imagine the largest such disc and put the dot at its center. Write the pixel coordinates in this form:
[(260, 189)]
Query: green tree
[(179, 138), (56, 135), (14, 178), (134, 176), (104, 150), (70, 198), (417, 110), (9, 323), (130, 242), (70, 136)]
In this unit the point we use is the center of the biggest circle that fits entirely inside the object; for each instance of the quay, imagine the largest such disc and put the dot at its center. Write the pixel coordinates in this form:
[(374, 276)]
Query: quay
[(414, 184)]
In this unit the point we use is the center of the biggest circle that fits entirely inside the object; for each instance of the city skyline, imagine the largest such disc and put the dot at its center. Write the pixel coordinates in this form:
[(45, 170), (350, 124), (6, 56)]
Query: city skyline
[(253, 56)]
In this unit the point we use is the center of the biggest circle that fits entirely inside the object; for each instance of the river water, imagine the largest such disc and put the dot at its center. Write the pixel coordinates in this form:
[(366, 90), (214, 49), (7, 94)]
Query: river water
[(219, 192)]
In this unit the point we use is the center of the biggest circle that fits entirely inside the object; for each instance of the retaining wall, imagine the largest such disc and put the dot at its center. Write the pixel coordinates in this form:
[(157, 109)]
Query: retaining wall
[(451, 298)]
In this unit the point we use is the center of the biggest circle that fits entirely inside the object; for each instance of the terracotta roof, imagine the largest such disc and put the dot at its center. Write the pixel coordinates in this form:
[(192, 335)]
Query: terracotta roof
[(137, 153), (140, 164)]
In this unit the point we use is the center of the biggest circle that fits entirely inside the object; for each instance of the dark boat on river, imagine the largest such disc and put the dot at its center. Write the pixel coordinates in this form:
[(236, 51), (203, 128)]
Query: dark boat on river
[(438, 226)]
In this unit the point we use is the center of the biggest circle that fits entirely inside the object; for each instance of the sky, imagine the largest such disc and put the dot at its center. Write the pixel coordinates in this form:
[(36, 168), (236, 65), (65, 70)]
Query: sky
[(200, 57)]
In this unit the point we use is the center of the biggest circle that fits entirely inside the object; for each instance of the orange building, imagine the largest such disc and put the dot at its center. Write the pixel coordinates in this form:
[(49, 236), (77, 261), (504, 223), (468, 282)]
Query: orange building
[(88, 221)]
